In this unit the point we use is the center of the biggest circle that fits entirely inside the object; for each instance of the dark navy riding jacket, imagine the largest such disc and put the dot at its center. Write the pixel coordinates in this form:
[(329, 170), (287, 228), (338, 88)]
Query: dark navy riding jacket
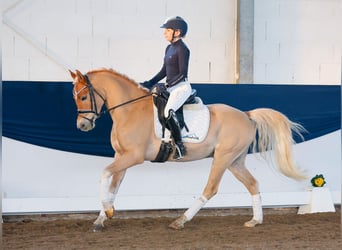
[(175, 66)]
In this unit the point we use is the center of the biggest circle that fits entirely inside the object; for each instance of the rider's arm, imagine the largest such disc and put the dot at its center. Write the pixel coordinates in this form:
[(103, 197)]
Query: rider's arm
[(159, 76)]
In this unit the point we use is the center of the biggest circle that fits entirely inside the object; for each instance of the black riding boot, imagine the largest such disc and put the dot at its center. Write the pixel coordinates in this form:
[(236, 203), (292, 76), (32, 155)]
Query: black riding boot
[(173, 124)]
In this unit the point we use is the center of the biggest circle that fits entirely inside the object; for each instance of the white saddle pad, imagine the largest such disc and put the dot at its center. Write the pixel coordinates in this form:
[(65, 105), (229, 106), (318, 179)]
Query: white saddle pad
[(197, 119)]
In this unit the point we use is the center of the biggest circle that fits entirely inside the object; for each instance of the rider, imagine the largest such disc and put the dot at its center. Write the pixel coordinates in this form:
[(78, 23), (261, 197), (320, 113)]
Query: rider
[(175, 69)]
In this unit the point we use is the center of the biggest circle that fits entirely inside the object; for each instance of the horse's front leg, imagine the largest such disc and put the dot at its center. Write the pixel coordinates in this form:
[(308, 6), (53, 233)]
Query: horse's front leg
[(109, 189)]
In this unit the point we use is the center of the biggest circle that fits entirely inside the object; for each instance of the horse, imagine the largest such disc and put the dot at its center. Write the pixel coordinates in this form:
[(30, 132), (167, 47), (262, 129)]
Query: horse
[(231, 134)]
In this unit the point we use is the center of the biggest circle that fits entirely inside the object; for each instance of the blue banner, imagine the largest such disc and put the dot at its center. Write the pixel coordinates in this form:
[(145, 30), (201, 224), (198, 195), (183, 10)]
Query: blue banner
[(44, 113)]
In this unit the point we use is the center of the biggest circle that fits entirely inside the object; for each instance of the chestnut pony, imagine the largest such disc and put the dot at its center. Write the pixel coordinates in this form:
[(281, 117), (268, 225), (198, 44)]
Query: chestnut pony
[(231, 133)]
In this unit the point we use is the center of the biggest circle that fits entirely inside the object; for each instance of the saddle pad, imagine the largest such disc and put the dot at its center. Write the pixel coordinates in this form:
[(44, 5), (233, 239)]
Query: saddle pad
[(197, 119)]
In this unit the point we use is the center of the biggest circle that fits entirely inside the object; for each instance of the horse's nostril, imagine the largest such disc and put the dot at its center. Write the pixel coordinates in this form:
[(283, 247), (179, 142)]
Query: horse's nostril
[(80, 125)]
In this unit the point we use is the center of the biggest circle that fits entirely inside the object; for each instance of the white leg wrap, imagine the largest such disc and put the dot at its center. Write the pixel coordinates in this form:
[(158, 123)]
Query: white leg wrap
[(196, 206), (106, 196), (257, 208), (110, 198), (102, 213)]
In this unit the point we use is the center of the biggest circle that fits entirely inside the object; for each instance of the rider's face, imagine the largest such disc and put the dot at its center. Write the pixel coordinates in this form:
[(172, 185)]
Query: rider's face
[(168, 34)]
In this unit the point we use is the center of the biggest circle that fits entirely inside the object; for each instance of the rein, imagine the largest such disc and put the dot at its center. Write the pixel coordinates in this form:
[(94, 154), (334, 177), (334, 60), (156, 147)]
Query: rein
[(93, 91), (124, 103)]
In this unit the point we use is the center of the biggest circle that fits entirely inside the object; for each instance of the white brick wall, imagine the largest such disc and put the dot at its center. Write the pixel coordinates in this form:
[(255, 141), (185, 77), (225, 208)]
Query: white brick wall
[(42, 38), (297, 41)]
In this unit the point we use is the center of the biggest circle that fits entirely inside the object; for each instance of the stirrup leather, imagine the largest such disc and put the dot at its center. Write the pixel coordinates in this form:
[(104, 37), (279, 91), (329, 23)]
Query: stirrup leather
[(180, 151)]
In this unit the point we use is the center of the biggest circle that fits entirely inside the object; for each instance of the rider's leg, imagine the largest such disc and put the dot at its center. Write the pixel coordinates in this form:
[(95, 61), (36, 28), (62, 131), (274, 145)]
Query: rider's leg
[(173, 124), (178, 95)]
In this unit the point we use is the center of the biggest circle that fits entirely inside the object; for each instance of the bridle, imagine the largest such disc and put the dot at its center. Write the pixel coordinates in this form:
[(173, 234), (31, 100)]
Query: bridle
[(94, 108)]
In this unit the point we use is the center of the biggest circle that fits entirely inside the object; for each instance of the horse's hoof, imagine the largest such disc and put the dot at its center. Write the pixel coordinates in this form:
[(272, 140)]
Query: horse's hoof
[(178, 224), (110, 213), (252, 223), (97, 228)]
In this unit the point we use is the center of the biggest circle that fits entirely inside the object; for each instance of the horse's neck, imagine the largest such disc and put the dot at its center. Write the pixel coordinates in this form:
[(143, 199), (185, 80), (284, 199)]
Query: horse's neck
[(120, 91), (119, 97)]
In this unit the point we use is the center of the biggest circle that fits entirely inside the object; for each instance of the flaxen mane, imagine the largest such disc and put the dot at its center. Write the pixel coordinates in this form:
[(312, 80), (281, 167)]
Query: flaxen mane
[(115, 73)]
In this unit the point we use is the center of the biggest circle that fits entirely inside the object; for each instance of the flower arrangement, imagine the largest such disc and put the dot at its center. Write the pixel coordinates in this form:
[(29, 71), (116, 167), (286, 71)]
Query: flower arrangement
[(318, 181)]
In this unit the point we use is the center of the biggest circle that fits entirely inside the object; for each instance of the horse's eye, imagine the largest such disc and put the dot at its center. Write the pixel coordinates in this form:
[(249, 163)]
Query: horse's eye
[(83, 98)]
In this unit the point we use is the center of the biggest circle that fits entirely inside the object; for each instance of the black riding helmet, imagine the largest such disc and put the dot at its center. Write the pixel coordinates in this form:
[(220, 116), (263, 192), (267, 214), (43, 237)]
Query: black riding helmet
[(176, 23)]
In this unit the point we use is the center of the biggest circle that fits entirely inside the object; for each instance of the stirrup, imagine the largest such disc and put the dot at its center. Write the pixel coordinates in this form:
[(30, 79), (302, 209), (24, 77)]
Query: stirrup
[(180, 151)]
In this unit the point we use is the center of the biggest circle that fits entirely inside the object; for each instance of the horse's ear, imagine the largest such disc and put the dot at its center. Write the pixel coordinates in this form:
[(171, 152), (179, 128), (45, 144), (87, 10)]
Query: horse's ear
[(73, 75), (79, 75)]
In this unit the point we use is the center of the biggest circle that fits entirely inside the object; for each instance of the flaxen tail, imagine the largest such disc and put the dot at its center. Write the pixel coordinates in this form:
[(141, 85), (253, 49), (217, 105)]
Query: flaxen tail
[(275, 133)]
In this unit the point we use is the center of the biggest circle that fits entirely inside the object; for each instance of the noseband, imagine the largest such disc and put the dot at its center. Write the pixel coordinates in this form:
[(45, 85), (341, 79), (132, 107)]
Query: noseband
[(94, 108)]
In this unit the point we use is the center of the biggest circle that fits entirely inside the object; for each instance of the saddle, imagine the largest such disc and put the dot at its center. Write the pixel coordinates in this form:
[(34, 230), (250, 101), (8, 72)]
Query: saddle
[(160, 97), (193, 116)]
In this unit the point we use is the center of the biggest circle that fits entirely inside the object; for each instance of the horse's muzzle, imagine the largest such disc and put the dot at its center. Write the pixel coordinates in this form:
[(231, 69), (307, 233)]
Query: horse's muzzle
[(85, 124)]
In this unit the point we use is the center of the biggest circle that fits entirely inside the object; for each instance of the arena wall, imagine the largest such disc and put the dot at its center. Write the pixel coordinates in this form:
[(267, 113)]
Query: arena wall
[(39, 180), (45, 38), (294, 41), (297, 42)]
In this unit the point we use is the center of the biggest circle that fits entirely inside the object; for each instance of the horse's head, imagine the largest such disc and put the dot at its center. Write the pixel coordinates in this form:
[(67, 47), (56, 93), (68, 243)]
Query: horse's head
[(88, 101)]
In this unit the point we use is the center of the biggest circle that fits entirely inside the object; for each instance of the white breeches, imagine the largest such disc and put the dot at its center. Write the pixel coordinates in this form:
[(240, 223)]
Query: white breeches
[(178, 95)]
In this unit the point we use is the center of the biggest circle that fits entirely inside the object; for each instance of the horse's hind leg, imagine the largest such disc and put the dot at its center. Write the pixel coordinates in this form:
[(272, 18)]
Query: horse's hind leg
[(240, 171), (216, 173)]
